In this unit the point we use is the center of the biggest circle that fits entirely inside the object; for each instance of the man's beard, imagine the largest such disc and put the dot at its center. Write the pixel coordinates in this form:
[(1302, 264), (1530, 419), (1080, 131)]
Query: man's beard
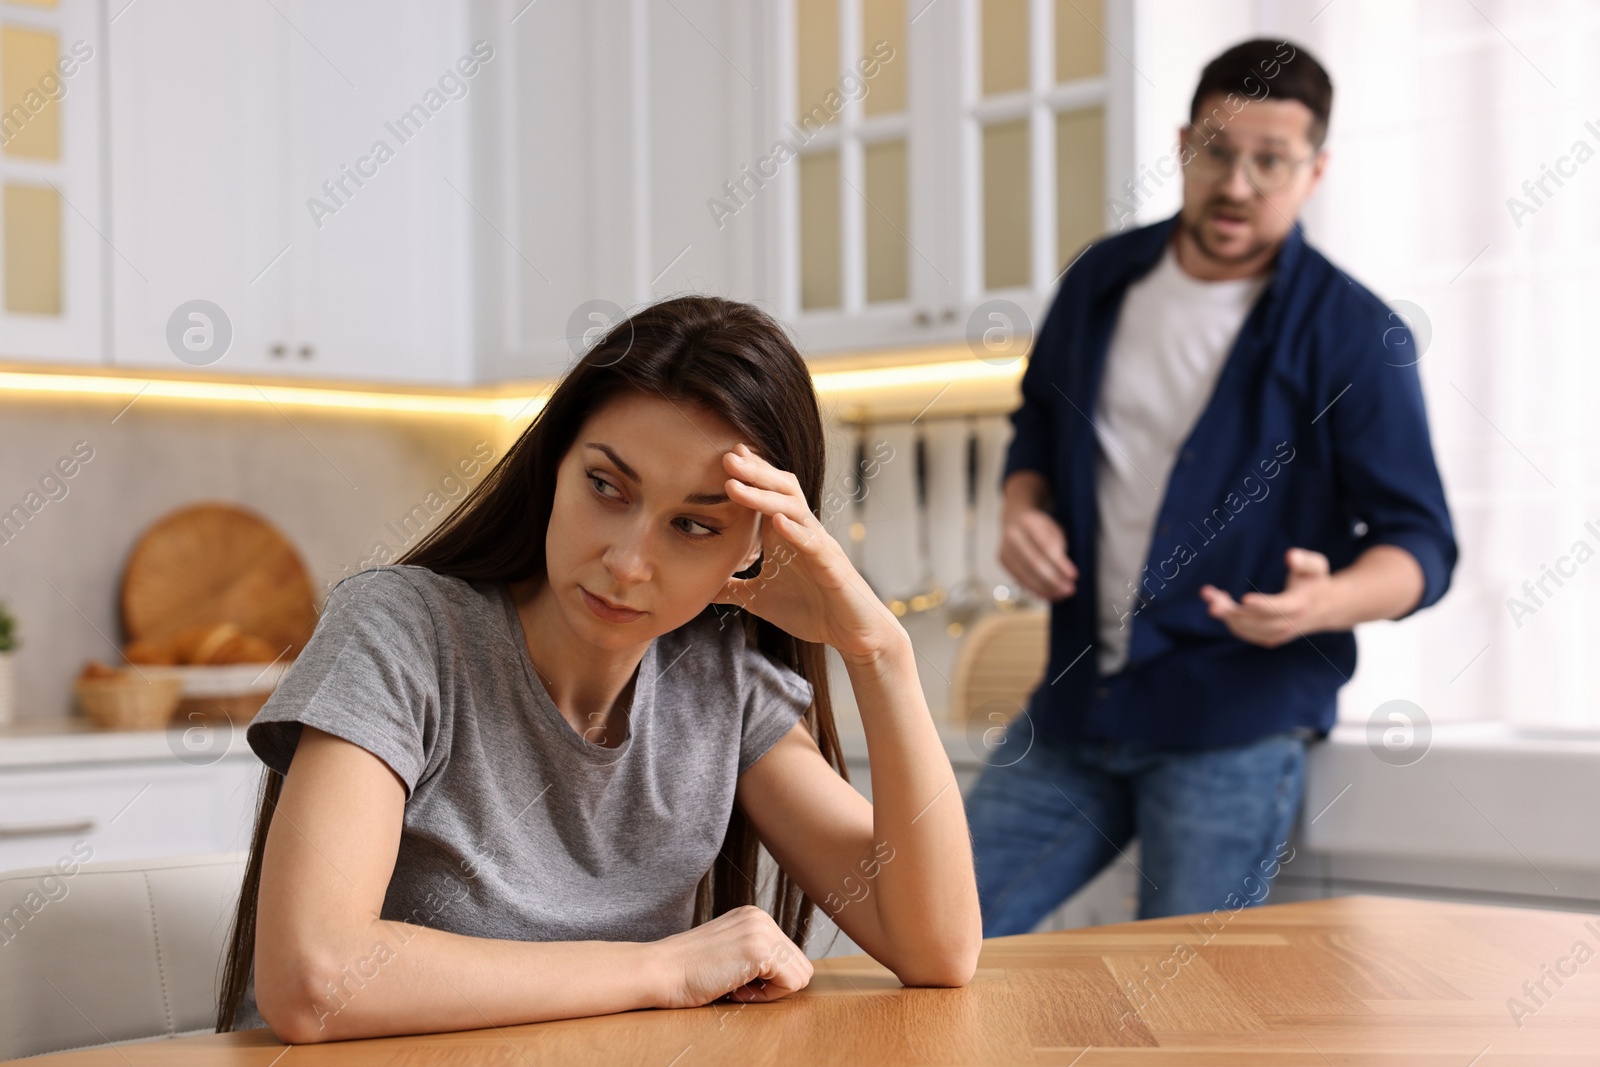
[(1197, 234)]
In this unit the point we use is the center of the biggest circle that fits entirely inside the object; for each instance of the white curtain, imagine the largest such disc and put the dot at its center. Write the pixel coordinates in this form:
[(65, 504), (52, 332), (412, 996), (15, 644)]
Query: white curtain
[(1442, 110)]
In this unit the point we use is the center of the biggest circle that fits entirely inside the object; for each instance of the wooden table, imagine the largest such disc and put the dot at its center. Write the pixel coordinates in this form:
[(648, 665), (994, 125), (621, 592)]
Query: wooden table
[(1357, 980)]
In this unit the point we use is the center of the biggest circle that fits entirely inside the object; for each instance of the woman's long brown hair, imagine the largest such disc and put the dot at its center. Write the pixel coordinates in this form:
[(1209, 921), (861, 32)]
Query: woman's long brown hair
[(732, 360)]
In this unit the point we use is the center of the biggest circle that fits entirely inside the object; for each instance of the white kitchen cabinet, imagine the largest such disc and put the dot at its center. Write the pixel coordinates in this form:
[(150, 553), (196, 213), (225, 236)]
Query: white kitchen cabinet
[(52, 214), (198, 133), (599, 156), (559, 223), (121, 796), (949, 155), (240, 134), (379, 287), (616, 122)]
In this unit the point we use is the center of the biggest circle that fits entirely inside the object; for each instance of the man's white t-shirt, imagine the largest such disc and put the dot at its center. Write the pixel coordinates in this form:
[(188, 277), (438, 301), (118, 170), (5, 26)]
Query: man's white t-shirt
[(1173, 335)]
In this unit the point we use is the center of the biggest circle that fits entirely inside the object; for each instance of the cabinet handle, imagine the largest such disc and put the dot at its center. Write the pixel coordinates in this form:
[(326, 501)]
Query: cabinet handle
[(947, 315), (306, 352), (278, 351), (46, 829), (923, 317)]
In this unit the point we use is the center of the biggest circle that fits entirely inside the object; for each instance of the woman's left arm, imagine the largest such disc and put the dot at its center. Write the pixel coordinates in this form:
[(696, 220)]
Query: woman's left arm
[(895, 874)]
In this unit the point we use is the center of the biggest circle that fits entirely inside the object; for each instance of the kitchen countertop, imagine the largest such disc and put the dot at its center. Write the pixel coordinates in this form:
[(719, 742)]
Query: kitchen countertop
[(1535, 787), (75, 740)]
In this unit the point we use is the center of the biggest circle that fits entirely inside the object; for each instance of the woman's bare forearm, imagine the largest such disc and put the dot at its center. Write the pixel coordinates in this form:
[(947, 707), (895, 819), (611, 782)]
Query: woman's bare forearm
[(401, 978), (925, 892)]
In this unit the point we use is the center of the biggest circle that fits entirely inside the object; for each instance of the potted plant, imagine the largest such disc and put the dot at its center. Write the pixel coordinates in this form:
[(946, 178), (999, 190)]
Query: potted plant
[(8, 665)]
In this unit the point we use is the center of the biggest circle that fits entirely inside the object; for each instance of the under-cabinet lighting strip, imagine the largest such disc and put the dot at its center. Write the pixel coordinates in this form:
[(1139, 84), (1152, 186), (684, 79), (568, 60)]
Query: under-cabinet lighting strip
[(254, 393), (512, 407), (949, 372)]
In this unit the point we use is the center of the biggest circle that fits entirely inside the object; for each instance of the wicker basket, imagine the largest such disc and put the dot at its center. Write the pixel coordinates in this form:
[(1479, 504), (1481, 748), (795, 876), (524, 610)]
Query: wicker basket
[(238, 708), (213, 693), (131, 703)]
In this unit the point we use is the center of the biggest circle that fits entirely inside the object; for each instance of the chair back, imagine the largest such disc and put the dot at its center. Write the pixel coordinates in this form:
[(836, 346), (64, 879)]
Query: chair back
[(92, 953), (1001, 662)]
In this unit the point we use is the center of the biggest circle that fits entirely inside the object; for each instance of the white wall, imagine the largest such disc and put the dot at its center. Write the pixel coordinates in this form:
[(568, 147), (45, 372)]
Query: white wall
[(1174, 39)]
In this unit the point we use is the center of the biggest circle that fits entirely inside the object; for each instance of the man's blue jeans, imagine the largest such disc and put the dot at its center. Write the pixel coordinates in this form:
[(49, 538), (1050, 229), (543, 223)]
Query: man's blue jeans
[(1213, 824)]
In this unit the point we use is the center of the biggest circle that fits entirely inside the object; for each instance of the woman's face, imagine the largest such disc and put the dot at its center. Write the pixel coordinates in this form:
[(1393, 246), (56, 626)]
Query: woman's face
[(641, 520)]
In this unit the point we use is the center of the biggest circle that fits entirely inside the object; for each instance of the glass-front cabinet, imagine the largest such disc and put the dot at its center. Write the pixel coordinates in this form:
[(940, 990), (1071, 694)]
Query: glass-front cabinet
[(882, 173), (51, 217), (932, 156)]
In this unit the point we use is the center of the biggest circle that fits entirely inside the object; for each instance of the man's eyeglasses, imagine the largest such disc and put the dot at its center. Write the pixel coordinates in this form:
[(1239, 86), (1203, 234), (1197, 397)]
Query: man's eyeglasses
[(1267, 172)]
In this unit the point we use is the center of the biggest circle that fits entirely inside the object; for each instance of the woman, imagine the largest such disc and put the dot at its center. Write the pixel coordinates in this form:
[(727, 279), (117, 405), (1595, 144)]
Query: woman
[(524, 773)]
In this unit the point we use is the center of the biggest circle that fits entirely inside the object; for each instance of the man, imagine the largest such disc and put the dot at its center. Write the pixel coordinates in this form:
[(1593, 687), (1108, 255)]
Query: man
[(1220, 466)]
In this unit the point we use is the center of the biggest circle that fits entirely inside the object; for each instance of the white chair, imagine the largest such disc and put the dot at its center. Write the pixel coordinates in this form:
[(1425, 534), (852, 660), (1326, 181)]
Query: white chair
[(113, 951)]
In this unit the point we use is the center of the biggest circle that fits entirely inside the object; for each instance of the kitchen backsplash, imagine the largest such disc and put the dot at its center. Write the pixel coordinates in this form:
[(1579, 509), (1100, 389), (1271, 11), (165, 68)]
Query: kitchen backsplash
[(337, 485), (351, 489)]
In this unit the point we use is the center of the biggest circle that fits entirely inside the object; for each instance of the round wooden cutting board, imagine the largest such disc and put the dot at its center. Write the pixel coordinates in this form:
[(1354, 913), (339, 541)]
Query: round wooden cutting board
[(215, 562)]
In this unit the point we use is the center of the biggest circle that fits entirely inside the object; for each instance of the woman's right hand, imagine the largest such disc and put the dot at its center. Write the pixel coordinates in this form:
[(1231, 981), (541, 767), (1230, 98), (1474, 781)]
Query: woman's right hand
[(741, 954)]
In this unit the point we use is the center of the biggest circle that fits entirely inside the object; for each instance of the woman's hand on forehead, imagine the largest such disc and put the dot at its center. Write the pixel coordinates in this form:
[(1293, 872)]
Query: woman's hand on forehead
[(807, 586)]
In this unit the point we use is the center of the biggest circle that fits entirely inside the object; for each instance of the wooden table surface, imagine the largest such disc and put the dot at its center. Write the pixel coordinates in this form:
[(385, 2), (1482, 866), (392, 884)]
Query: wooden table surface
[(1355, 980)]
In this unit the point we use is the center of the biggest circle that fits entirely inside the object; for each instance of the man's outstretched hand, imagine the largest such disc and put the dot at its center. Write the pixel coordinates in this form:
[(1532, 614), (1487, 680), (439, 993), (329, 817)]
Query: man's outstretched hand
[(1304, 607), (1385, 582)]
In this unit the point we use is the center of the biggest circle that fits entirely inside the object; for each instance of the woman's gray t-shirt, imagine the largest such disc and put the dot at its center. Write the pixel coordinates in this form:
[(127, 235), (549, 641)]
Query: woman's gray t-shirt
[(516, 827)]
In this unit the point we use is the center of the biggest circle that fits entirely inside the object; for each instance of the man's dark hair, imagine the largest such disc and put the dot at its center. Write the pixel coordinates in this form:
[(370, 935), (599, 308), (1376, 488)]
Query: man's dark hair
[(1263, 69)]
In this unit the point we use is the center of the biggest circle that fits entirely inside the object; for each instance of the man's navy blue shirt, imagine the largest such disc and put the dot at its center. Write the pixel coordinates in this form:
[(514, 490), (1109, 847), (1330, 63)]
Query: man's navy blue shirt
[(1314, 437)]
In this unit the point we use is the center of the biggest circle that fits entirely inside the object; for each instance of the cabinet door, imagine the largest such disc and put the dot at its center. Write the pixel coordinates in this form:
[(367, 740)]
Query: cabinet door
[(125, 811), (1032, 122), (52, 256), (196, 180), (862, 249), (952, 158), (622, 123), (560, 226), (699, 148), (380, 196)]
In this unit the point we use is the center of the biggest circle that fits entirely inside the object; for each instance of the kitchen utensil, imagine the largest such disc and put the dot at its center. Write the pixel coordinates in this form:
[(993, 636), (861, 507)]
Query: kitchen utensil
[(858, 503), (930, 593), (1008, 596), (217, 562), (969, 598)]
